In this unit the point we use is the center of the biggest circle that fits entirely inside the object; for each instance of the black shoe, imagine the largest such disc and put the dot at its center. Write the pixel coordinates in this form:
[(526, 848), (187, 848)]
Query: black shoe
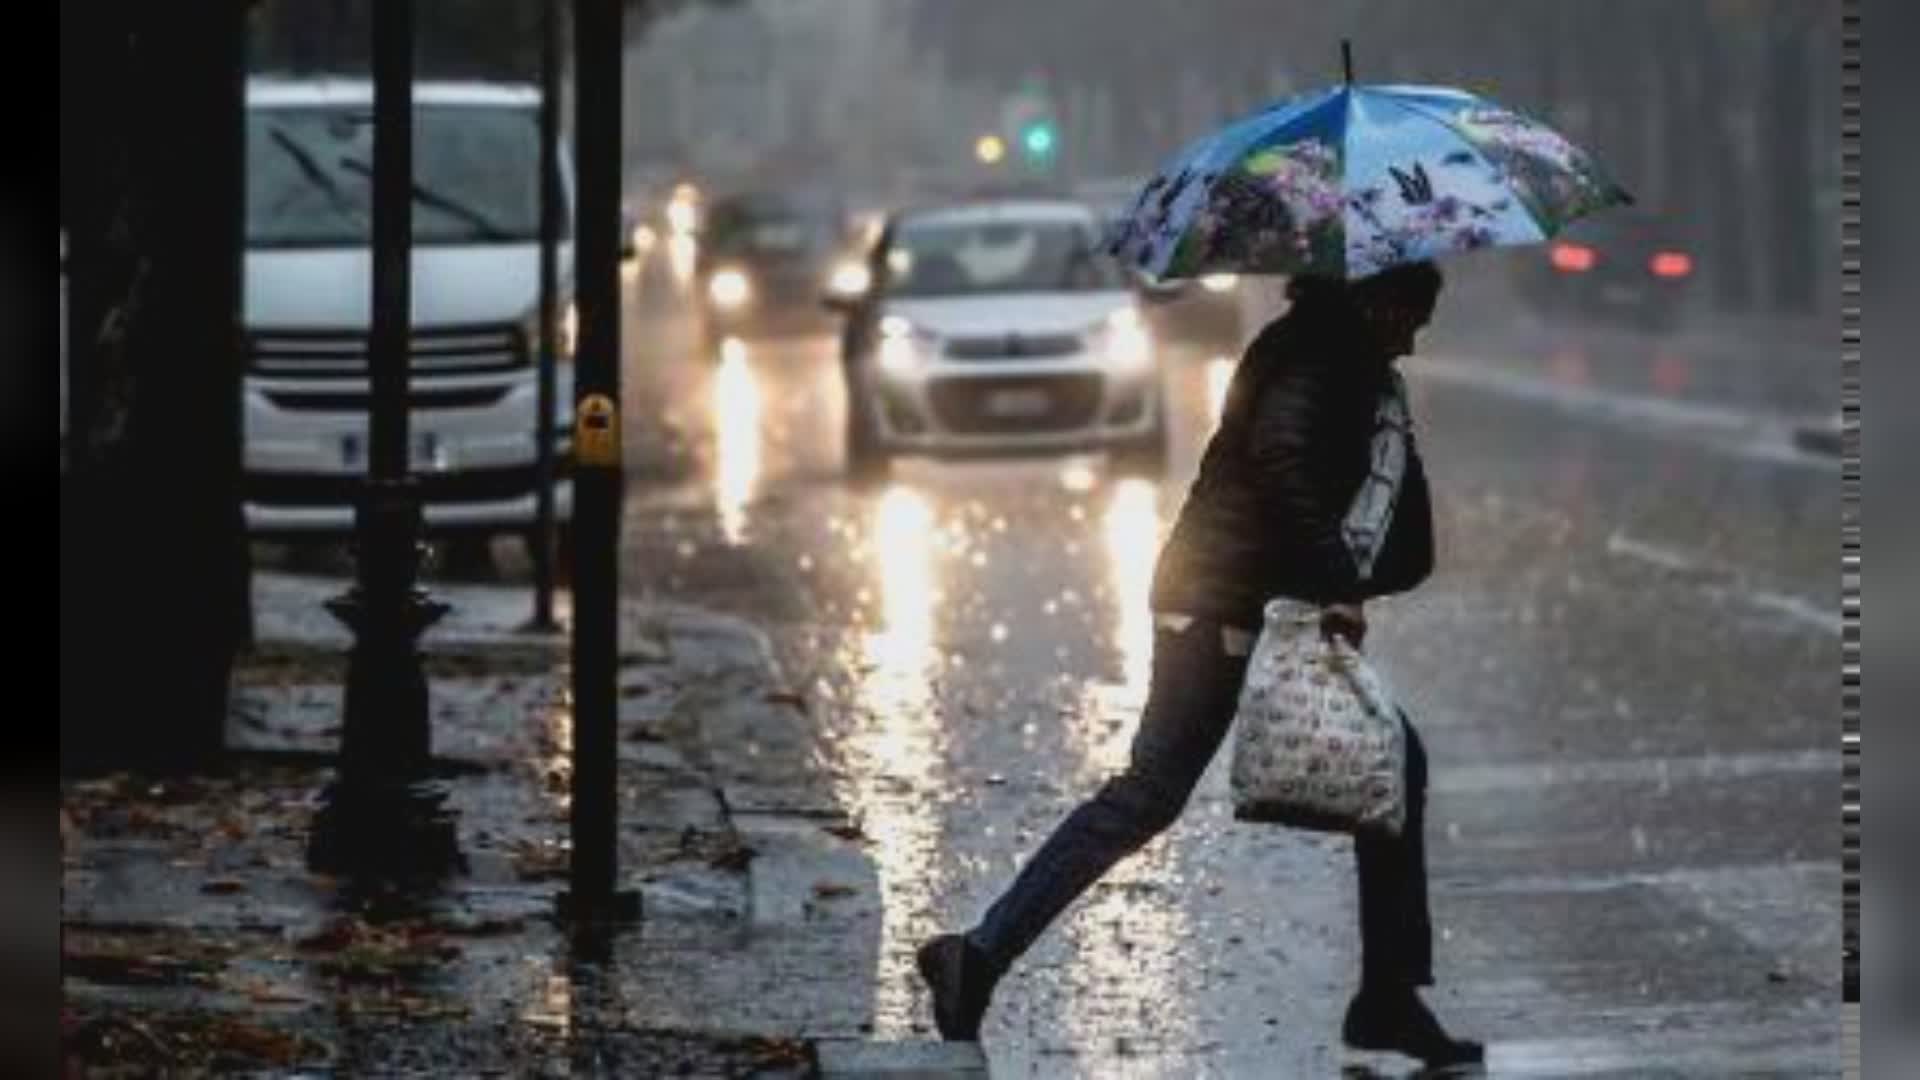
[(961, 978), (1399, 1021)]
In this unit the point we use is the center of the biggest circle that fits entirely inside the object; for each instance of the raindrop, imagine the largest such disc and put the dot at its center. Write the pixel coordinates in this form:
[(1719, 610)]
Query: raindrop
[(806, 563), (999, 632)]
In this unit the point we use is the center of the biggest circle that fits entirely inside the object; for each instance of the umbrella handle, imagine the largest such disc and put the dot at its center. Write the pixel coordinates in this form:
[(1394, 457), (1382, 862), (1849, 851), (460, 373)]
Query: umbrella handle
[(1346, 59)]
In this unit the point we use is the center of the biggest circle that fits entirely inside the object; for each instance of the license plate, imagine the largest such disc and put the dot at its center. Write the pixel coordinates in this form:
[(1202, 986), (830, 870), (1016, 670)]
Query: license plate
[(1620, 294), (1011, 404), (429, 453)]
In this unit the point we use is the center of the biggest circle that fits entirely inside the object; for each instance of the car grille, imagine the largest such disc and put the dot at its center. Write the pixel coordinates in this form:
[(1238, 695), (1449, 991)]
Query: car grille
[(1014, 346), (965, 406), (478, 397), (334, 354)]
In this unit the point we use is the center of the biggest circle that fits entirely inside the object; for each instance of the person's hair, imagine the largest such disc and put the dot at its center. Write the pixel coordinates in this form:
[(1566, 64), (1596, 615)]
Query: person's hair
[(1415, 284)]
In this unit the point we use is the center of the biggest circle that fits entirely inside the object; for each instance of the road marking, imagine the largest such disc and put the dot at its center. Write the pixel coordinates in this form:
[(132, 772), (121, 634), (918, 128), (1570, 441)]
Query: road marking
[(1484, 779), (1725, 581), (1749, 434)]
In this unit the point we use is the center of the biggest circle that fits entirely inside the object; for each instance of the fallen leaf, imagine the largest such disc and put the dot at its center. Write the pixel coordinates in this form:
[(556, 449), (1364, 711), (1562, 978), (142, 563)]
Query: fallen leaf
[(223, 887), (827, 890), (787, 697), (848, 832)]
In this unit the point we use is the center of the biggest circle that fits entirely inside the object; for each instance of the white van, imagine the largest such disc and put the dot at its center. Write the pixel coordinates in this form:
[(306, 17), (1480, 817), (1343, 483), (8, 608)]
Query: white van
[(474, 377)]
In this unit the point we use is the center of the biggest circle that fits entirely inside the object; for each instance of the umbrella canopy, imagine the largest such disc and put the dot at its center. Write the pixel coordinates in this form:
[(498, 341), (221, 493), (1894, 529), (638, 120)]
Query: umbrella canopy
[(1348, 181)]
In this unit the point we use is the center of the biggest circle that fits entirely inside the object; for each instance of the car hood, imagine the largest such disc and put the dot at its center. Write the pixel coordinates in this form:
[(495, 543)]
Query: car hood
[(452, 286), (1009, 313)]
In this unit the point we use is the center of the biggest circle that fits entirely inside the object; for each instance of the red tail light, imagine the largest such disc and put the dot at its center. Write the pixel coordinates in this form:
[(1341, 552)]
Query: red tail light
[(1672, 264), (1572, 258)]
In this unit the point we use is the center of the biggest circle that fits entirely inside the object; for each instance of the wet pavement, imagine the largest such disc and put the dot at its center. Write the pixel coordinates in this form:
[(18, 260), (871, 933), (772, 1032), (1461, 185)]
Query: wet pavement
[(847, 715), (1623, 668)]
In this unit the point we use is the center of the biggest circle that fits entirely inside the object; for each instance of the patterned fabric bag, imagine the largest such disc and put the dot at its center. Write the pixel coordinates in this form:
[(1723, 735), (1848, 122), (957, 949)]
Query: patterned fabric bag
[(1318, 741)]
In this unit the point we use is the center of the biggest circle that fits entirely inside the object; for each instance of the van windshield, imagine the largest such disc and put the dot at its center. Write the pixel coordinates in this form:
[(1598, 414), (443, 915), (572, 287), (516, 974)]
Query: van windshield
[(310, 175)]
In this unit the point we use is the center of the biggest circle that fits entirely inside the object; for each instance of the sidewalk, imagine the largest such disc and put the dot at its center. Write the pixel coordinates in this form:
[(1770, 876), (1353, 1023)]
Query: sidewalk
[(194, 938)]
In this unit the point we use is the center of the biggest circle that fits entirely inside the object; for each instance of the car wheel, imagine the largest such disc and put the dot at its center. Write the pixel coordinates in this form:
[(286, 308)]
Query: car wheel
[(469, 557)]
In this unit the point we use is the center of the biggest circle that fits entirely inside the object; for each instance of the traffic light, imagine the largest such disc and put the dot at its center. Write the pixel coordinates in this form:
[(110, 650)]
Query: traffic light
[(1039, 139), (989, 149)]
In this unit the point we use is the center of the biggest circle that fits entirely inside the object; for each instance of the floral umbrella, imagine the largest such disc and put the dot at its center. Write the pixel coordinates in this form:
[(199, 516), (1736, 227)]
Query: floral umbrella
[(1348, 181)]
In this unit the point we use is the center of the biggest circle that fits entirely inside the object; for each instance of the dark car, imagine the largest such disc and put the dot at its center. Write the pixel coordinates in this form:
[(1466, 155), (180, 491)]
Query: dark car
[(764, 261), (1629, 267)]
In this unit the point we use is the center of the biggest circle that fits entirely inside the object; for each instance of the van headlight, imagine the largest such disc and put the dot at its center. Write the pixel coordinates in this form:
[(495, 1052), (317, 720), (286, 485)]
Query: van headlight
[(901, 345), (1124, 341), (566, 339), (729, 289)]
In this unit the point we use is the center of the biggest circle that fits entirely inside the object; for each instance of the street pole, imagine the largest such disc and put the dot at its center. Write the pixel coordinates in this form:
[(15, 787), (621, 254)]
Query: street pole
[(543, 538), (598, 51), (383, 816)]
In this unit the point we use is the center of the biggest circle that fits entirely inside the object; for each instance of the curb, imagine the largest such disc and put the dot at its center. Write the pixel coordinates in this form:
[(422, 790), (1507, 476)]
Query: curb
[(848, 1059)]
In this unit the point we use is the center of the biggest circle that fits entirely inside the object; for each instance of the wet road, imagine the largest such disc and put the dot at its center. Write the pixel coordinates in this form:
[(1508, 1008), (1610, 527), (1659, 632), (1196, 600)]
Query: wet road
[(1624, 669)]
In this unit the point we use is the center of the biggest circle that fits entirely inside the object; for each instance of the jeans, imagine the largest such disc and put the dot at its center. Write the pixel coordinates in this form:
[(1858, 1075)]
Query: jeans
[(1190, 707)]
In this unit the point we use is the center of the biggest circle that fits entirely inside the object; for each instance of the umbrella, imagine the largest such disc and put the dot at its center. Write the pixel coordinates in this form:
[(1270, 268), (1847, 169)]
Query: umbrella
[(1351, 180)]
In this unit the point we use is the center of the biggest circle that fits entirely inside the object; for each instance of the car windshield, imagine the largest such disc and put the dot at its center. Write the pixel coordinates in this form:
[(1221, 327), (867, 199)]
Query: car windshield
[(773, 227), (310, 175), (955, 259)]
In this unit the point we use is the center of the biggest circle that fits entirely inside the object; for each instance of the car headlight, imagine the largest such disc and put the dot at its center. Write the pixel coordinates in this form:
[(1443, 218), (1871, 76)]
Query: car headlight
[(569, 331), (1127, 344), (682, 216), (1220, 283), (729, 289), (566, 339), (900, 345), (850, 279)]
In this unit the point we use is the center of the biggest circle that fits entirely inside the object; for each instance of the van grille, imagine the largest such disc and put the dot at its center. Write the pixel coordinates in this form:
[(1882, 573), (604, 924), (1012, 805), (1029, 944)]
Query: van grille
[(335, 354)]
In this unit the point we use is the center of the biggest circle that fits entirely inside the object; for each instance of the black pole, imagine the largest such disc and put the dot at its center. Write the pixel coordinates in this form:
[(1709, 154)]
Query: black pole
[(597, 49), (382, 816), (1346, 59), (549, 315)]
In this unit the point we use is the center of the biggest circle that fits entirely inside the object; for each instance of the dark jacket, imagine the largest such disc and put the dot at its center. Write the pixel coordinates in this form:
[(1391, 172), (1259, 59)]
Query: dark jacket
[(1263, 517)]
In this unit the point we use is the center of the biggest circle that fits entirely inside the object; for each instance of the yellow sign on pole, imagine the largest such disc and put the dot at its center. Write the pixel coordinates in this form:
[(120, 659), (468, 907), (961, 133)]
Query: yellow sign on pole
[(596, 432)]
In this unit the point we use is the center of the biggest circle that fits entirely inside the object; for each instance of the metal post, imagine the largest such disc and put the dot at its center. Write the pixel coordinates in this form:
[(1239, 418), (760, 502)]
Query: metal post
[(543, 532), (598, 51), (383, 816)]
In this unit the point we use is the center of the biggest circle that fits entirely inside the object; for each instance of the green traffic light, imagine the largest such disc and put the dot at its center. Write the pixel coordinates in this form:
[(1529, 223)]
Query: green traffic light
[(1039, 139)]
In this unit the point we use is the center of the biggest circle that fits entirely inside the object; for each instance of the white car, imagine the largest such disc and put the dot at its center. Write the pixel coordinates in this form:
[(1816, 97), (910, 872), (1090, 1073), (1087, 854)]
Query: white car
[(1000, 327), (474, 375)]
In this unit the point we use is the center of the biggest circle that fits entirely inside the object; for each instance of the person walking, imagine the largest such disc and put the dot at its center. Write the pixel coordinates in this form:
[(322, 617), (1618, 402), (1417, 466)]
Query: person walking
[(1263, 519)]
